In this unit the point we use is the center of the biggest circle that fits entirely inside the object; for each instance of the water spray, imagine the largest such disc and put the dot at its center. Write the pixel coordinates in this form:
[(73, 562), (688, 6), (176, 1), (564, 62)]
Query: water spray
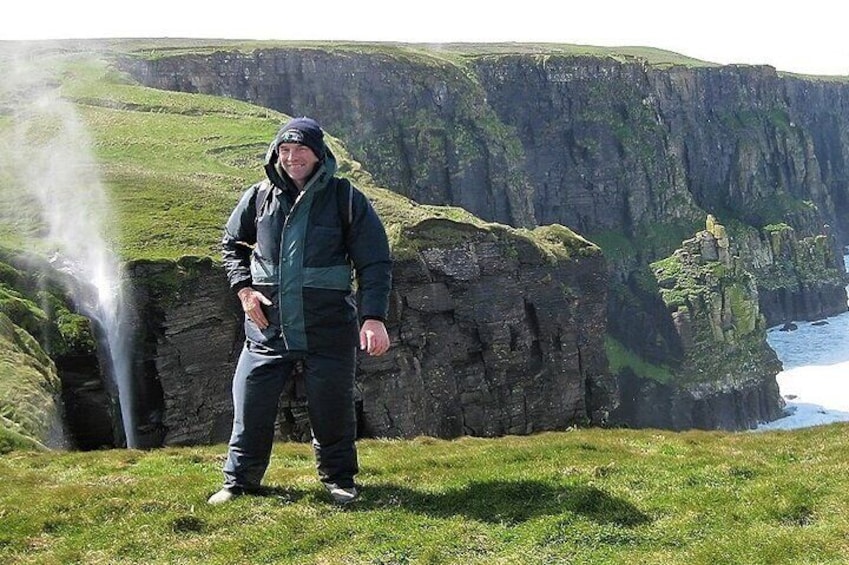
[(48, 152)]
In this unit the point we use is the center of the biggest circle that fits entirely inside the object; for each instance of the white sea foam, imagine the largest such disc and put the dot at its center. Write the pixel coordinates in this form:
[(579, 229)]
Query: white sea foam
[(815, 379)]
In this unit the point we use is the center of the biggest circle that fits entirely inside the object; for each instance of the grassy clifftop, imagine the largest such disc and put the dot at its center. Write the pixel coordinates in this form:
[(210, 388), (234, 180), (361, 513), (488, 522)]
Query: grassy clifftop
[(583, 497), (173, 164)]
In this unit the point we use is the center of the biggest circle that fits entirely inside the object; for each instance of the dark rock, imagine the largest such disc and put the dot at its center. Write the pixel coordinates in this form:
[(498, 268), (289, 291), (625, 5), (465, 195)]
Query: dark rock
[(594, 143), (485, 342)]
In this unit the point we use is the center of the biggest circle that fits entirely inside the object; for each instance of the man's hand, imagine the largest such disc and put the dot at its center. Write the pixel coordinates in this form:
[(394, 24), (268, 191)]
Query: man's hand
[(252, 301), (373, 338)]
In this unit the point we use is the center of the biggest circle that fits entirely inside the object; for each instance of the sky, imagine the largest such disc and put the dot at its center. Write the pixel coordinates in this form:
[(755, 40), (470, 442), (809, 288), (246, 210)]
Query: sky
[(807, 37)]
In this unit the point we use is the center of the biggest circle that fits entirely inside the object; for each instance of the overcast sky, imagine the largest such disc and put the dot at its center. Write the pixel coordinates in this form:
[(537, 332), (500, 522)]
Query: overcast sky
[(810, 36)]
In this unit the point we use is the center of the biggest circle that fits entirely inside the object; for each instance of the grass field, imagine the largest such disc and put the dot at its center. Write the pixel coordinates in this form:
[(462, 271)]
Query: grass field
[(581, 497)]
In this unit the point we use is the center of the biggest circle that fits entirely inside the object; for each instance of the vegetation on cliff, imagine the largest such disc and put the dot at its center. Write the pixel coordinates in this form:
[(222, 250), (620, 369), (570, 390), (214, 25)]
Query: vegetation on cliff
[(713, 304), (37, 325), (799, 261)]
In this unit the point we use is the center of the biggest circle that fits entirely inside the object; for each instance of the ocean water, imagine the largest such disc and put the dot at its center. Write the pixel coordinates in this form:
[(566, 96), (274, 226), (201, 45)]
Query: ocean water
[(815, 379)]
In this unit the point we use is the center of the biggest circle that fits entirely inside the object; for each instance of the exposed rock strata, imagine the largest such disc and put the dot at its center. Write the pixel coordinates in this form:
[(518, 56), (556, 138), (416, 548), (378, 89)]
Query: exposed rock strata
[(493, 338), (605, 144), (491, 335)]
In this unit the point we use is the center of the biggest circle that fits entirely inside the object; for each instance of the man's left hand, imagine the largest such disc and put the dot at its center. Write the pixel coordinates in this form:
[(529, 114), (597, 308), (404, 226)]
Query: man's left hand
[(373, 338)]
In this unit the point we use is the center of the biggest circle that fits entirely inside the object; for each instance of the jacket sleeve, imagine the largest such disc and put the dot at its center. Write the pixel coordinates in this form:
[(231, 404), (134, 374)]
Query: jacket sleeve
[(239, 238), (368, 248)]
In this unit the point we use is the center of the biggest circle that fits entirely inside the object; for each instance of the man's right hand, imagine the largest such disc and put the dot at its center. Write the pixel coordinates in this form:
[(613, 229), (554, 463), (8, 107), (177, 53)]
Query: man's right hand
[(252, 301)]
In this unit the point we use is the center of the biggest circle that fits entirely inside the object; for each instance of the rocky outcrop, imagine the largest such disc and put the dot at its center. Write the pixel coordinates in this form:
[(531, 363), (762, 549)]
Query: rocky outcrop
[(732, 405), (724, 375), (189, 340), (799, 278), (38, 329), (494, 336), (493, 332)]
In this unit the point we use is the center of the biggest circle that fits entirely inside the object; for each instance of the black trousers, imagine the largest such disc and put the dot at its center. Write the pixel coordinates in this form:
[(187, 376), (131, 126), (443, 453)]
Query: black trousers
[(257, 384)]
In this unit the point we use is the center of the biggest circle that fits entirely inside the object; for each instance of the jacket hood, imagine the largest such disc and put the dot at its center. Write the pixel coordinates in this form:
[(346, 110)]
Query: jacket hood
[(324, 169)]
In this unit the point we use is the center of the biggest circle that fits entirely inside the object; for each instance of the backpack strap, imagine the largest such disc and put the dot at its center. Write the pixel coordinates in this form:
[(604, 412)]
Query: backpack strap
[(345, 208), (346, 213), (262, 195)]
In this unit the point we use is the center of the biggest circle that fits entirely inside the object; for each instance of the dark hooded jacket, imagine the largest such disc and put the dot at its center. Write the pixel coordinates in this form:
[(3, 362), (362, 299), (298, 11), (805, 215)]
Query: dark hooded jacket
[(299, 252)]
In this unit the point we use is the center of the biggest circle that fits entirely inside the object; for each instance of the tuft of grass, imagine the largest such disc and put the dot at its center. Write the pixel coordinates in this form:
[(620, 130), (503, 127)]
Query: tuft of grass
[(581, 496)]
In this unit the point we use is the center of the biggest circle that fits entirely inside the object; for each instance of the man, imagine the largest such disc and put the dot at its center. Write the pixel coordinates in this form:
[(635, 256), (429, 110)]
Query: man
[(289, 247)]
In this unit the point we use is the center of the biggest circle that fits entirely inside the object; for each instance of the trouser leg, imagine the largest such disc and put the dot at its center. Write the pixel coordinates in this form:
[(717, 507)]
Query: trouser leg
[(257, 384), (329, 380)]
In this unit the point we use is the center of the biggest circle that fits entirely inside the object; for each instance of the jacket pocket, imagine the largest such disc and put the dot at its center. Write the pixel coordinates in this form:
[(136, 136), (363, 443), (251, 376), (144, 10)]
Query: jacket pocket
[(325, 245), (270, 336)]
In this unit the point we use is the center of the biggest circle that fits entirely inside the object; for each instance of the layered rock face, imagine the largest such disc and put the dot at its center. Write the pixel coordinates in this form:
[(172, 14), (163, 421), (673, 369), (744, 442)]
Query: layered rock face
[(630, 154), (189, 340), (724, 373), (612, 148), (491, 334), (494, 338), (605, 143), (799, 278)]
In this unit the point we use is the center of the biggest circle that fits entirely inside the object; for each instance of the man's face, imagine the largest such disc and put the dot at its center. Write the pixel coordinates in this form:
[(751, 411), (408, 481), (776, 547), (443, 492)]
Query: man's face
[(298, 161)]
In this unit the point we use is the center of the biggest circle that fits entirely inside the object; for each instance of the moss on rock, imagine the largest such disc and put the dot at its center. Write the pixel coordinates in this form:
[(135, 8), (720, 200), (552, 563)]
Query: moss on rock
[(713, 303), (29, 387)]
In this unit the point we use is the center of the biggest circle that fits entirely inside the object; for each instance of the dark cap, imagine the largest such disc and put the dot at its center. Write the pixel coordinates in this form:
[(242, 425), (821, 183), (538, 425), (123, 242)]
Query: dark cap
[(304, 131)]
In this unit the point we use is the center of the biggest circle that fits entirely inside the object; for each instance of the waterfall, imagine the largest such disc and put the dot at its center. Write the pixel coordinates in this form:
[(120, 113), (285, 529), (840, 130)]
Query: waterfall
[(61, 206)]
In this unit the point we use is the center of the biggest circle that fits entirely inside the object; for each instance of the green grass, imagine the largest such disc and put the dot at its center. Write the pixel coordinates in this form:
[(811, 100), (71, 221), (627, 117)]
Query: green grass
[(620, 357), (173, 164), (452, 52), (583, 497)]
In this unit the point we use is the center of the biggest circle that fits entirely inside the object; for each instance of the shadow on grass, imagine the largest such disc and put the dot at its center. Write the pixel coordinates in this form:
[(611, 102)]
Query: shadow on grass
[(506, 502)]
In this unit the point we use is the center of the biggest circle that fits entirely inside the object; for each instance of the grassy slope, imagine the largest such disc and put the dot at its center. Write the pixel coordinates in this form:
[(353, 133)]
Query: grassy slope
[(175, 164), (586, 496)]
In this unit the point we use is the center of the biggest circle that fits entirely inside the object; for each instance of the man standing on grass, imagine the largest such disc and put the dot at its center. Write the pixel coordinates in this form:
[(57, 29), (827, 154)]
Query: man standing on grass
[(289, 248)]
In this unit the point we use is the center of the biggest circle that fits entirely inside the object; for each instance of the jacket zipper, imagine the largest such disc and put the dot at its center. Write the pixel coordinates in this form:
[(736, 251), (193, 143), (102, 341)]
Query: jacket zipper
[(282, 248)]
